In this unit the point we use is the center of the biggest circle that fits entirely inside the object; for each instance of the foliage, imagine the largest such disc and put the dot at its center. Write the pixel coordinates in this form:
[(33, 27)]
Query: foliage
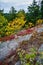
[(19, 20), (1, 11), (33, 12), (31, 24), (12, 14), (40, 21), (3, 24), (27, 58), (21, 14), (14, 25), (42, 9)]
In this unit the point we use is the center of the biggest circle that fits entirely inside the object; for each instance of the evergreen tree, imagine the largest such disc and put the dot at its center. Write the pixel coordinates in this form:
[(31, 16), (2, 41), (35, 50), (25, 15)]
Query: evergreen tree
[(12, 13), (1, 11), (33, 12), (42, 9)]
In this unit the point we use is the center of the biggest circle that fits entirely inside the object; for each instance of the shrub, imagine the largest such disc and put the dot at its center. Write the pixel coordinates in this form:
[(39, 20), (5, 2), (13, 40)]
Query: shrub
[(3, 24), (40, 21), (15, 25)]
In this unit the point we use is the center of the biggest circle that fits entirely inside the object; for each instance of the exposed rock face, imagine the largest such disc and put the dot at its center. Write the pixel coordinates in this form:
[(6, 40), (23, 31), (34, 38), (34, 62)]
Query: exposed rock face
[(8, 50), (36, 41)]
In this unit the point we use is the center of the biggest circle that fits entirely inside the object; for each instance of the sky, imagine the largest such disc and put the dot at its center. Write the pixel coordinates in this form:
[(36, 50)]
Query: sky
[(18, 4)]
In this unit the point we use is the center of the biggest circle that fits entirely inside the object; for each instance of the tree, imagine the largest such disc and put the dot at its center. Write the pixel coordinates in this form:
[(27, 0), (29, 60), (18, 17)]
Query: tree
[(42, 9), (7, 16), (15, 26), (1, 11), (12, 13), (21, 14), (33, 12), (3, 24)]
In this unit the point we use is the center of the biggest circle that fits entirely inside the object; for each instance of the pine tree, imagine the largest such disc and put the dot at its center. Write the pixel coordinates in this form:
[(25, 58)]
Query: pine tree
[(33, 12), (12, 13), (42, 9)]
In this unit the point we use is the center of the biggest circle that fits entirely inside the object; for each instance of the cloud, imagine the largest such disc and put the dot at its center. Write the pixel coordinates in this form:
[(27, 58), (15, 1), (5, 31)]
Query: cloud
[(18, 4), (6, 1), (10, 0)]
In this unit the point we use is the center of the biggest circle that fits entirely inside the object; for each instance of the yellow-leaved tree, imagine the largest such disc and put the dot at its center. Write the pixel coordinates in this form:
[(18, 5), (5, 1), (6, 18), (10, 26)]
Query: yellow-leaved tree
[(3, 24), (40, 21), (15, 25)]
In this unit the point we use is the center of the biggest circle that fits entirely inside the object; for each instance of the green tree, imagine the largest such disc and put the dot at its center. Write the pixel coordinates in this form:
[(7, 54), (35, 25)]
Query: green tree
[(12, 13), (33, 12), (1, 11), (7, 16), (42, 9), (21, 13)]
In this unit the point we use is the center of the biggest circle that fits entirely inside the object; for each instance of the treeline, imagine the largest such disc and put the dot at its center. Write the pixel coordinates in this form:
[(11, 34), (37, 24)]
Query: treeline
[(34, 12), (14, 21)]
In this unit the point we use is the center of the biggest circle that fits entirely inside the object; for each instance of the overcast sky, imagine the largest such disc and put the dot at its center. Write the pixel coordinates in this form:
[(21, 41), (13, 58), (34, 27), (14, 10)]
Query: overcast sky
[(18, 4)]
